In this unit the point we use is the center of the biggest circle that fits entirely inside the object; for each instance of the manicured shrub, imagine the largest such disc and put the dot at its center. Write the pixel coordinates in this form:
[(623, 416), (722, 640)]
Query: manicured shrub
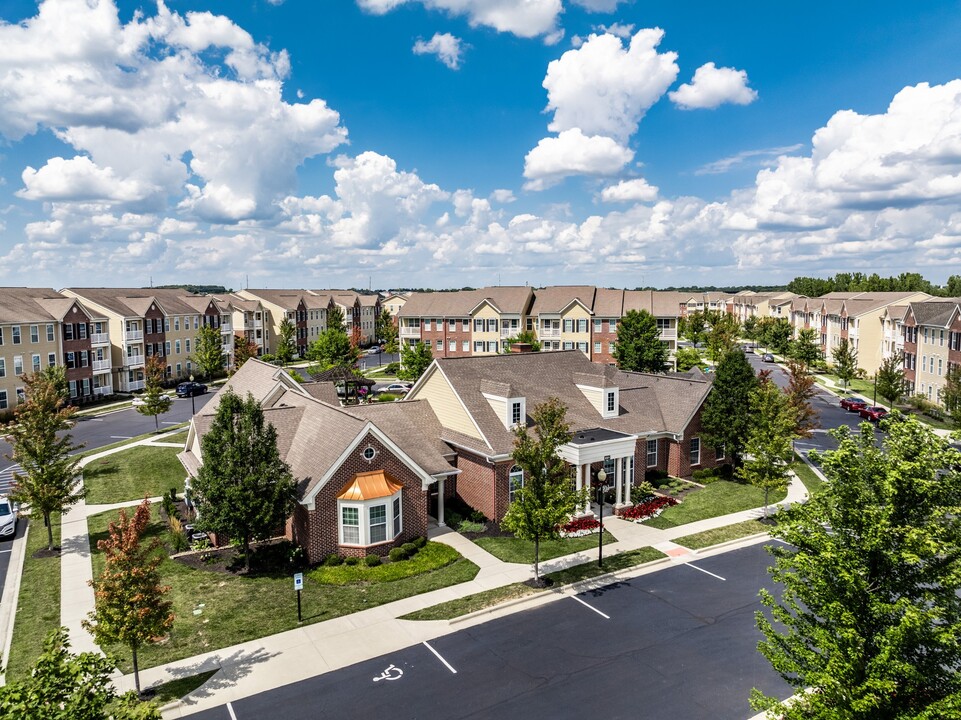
[(395, 555), (351, 560), (420, 542), (372, 560), (178, 542), (469, 526), (410, 548), (452, 519), (333, 560), (478, 517)]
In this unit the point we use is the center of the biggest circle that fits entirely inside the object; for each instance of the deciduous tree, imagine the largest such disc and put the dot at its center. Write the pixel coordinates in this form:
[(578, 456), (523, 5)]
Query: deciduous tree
[(387, 331), (208, 353), (639, 347), (286, 347), (332, 349), (890, 379), (951, 393), (768, 448), (726, 417), (155, 401), (64, 686), (845, 361), (723, 334), (131, 608), (414, 360), (868, 623), (805, 348), (246, 490), (800, 391), (687, 358), (547, 498), (335, 318), (244, 349), (693, 327), (47, 480)]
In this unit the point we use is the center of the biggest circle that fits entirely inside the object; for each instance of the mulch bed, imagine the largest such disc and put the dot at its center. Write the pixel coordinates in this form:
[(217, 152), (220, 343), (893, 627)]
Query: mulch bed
[(46, 553)]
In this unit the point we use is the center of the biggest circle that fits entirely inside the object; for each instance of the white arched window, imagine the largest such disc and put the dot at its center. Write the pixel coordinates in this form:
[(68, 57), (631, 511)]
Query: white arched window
[(515, 482)]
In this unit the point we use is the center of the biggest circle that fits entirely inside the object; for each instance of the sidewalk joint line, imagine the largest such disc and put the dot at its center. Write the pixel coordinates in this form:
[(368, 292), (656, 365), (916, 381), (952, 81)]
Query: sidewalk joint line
[(707, 572), (439, 657), (606, 617)]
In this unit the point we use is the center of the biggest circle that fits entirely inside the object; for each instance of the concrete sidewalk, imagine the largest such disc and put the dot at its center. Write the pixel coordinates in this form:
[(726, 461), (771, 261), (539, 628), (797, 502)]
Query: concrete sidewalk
[(263, 664)]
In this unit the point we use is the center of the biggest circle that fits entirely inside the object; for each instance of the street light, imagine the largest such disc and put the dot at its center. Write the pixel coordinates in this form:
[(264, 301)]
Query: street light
[(601, 477), (193, 409)]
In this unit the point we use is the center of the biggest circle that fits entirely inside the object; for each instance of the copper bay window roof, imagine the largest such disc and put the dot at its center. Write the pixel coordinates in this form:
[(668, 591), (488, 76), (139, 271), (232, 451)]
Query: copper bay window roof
[(369, 486)]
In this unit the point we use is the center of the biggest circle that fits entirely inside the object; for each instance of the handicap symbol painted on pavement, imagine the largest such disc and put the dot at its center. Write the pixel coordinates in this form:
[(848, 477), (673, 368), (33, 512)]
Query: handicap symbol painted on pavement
[(391, 673)]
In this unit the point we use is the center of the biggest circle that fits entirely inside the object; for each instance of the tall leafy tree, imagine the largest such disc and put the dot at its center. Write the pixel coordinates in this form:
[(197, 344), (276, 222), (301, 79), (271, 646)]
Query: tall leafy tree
[(155, 401), (245, 488), (47, 480), (332, 349), (805, 348), (414, 361), (845, 358), (751, 328), (244, 349), (800, 391), (726, 416), (890, 379), (547, 498), (356, 337), (57, 376), (130, 605), (768, 449), (208, 352), (693, 327), (723, 334), (951, 393), (868, 623), (286, 346), (777, 335), (687, 358), (64, 686), (335, 318), (639, 347), (387, 331)]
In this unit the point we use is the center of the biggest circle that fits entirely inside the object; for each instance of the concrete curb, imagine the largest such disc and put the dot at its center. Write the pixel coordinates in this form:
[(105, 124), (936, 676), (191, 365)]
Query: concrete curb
[(11, 595)]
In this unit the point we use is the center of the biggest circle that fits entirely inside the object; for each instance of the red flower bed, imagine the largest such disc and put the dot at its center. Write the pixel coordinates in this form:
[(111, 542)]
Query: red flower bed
[(581, 524), (647, 509)]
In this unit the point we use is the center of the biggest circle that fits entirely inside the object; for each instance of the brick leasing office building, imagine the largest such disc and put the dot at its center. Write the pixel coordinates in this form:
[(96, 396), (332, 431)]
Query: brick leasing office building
[(371, 477)]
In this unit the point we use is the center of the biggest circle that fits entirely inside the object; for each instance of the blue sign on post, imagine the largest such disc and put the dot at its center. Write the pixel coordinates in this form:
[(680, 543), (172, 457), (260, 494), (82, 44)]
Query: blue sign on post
[(298, 581)]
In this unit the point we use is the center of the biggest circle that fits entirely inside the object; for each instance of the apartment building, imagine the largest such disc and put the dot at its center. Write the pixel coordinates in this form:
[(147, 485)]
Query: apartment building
[(41, 328), (306, 311), (145, 322), (562, 317), (892, 330), (247, 320), (932, 344), (393, 302), (361, 311)]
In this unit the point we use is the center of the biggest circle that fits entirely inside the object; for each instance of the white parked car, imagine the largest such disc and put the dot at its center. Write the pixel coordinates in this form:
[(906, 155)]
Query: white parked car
[(8, 517)]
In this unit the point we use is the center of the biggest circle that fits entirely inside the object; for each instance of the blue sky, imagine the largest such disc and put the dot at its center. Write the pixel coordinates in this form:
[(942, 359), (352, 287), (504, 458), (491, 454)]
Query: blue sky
[(465, 142)]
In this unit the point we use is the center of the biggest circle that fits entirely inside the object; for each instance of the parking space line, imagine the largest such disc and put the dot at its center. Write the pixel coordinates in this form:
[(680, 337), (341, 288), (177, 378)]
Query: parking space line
[(706, 572), (121, 437), (606, 617), (230, 709), (5, 551), (439, 657)]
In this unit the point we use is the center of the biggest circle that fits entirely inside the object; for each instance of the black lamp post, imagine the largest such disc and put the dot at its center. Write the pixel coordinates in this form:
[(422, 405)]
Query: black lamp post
[(601, 477), (193, 409)]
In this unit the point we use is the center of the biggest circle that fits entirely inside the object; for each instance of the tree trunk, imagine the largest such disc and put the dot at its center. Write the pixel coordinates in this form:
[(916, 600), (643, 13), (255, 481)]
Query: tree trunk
[(765, 501), (46, 521), (537, 555), (156, 422), (136, 669)]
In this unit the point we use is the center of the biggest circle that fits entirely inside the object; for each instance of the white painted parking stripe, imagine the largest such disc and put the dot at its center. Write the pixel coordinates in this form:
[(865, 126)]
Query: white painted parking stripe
[(606, 617), (230, 709), (121, 437), (439, 657), (707, 572), (5, 551), (170, 422)]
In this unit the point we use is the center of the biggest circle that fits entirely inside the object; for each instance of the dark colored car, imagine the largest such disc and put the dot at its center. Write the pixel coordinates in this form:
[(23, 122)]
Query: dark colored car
[(853, 404), (767, 357), (189, 389), (874, 413)]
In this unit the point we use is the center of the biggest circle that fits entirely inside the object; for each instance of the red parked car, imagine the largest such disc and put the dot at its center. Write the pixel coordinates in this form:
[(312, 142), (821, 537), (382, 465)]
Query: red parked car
[(853, 404), (872, 412)]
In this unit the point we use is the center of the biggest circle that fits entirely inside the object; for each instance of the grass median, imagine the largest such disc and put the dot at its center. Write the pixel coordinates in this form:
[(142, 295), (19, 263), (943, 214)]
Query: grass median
[(38, 605), (214, 610), (141, 471), (700, 540), (515, 550), (489, 598), (721, 497)]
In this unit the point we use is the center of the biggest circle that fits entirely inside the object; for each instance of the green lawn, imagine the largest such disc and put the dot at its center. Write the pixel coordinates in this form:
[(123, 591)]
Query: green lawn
[(515, 550), (180, 437), (811, 481), (131, 441), (723, 534), (38, 607), (133, 474), (496, 596), (721, 497), (235, 609)]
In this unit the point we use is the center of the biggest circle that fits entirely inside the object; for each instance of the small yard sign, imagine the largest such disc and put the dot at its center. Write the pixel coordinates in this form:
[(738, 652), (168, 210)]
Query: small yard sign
[(298, 581)]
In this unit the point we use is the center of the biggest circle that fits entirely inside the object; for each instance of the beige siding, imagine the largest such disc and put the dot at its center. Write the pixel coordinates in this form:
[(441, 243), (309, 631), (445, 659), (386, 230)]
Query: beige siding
[(595, 396), (445, 404)]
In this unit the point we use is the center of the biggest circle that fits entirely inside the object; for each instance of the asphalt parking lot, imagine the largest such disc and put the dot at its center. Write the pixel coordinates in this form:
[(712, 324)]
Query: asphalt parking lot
[(678, 644)]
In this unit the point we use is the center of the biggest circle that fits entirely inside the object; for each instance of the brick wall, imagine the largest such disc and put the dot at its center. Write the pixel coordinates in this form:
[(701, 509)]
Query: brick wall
[(679, 454), (475, 483)]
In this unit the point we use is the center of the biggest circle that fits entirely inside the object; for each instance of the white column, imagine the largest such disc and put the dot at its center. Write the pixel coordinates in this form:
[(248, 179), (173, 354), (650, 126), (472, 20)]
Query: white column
[(587, 486), (617, 481), (440, 503)]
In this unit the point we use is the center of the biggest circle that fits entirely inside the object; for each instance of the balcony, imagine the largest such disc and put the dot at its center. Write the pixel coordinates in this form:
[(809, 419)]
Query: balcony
[(101, 366), (549, 333), (410, 332), (257, 324), (134, 360), (133, 335), (136, 385), (225, 329), (668, 333), (104, 390), (99, 338)]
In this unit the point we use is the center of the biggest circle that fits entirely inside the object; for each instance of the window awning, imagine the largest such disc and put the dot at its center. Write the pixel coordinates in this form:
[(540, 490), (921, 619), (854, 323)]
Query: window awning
[(370, 485)]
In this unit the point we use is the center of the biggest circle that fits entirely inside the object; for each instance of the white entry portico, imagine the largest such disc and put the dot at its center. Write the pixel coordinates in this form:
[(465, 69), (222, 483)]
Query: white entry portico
[(601, 445)]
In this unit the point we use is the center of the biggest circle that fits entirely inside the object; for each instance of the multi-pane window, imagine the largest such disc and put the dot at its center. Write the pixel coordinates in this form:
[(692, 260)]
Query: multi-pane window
[(515, 482), (451, 345), (568, 325), (49, 332), (597, 348), (378, 523), (350, 522), (18, 364), (515, 413), (652, 453), (176, 323), (3, 399), (36, 363), (15, 331), (84, 358), (177, 346), (582, 325), (478, 325), (398, 525), (68, 331), (720, 452), (34, 334), (695, 451), (70, 360), (439, 344), (3, 367), (597, 325), (611, 404), (452, 324), (51, 359), (187, 342), (582, 346)]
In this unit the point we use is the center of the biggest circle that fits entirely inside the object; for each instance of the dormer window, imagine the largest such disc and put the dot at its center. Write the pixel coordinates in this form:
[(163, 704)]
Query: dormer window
[(516, 412), (611, 401)]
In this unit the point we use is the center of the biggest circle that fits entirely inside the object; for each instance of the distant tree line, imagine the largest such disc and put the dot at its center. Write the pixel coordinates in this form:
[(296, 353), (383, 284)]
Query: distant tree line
[(860, 282), (196, 289)]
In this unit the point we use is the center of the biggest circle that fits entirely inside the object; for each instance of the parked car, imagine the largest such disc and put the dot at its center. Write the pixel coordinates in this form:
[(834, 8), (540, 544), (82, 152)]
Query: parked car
[(853, 404), (8, 517), (874, 413), (767, 357), (373, 350), (189, 389), (401, 388), (138, 402)]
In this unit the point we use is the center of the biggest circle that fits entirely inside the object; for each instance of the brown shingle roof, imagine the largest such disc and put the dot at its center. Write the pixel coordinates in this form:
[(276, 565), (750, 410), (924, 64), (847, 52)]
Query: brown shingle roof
[(556, 298), (510, 299)]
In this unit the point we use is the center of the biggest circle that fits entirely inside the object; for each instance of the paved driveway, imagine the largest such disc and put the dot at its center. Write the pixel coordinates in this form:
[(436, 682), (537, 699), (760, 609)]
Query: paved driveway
[(679, 644)]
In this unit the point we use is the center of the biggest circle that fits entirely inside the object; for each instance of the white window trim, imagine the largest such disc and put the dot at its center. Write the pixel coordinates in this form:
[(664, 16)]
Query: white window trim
[(691, 452), (363, 513), (647, 449), (516, 471)]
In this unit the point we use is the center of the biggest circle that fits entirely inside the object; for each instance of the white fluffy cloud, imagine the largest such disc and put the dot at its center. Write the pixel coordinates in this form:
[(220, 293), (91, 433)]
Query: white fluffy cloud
[(604, 88), (573, 153), (448, 49), (712, 86), (524, 18), (151, 115), (637, 190)]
